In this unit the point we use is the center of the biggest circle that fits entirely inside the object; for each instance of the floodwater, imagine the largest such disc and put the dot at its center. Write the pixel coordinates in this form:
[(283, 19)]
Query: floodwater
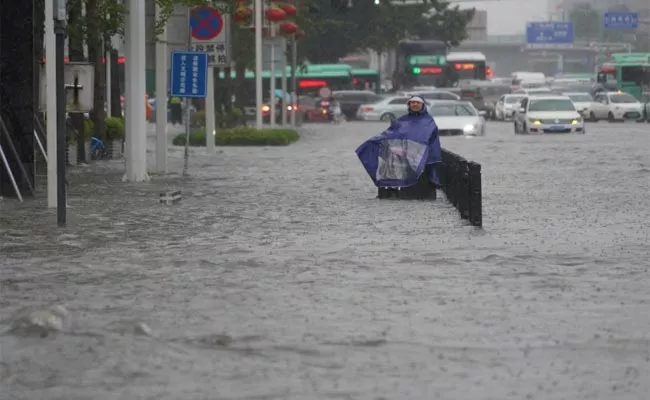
[(280, 276)]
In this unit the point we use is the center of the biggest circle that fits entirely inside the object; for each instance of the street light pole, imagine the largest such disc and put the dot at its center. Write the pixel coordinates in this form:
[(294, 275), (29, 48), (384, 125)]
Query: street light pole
[(60, 17)]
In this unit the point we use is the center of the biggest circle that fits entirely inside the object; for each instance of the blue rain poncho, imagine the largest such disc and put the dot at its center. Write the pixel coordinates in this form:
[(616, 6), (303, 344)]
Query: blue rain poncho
[(399, 155)]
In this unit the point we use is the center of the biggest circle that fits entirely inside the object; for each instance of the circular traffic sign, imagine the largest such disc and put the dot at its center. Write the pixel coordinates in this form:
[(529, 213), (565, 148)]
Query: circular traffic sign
[(324, 92), (206, 23)]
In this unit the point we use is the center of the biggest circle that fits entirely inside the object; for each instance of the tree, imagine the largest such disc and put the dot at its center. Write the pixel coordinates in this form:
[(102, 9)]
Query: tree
[(334, 33), (390, 24), (441, 22), (587, 22)]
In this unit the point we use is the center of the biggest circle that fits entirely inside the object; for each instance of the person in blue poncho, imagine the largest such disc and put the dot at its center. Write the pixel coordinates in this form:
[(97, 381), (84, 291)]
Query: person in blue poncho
[(399, 156)]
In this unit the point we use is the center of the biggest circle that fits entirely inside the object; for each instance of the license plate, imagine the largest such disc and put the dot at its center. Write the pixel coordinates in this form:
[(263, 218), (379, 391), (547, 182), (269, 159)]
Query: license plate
[(556, 128), (633, 115)]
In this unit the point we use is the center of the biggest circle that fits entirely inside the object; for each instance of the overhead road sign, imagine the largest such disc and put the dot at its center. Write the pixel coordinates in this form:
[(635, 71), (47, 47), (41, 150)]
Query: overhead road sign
[(621, 20), (189, 74), (210, 32), (540, 33)]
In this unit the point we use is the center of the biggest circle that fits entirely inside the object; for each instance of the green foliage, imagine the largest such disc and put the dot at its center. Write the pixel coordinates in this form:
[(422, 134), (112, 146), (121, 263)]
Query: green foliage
[(89, 128), (242, 137), (197, 119), (230, 119), (587, 22), (114, 128), (444, 23), (332, 34)]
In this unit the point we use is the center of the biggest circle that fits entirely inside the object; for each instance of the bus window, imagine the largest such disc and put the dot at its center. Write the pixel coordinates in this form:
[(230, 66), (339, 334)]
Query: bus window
[(637, 74), (470, 70)]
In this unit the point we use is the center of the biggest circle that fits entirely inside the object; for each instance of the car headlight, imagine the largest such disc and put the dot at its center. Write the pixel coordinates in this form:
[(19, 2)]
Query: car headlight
[(469, 128), (576, 121), (536, 121)]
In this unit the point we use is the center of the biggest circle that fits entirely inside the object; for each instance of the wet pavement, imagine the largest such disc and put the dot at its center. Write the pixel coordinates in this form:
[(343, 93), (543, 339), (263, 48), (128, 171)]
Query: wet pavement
[(280, 276)]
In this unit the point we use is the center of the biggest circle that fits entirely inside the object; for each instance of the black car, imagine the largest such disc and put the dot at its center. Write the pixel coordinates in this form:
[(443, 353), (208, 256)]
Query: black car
[(350, 100)]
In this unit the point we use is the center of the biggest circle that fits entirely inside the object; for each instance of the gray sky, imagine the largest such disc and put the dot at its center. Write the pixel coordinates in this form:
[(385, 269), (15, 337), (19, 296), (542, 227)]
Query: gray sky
[(508, 17)]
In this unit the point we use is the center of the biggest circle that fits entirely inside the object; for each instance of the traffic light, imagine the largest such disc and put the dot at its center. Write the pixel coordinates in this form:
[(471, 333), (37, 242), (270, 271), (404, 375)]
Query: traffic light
[(416, 71)]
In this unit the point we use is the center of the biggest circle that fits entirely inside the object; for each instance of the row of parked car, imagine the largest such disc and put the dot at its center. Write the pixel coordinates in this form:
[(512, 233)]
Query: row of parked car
[(610, 106)]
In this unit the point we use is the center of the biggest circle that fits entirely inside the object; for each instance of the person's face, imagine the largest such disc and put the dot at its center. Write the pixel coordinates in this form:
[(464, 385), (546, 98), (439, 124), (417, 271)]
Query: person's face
[(415, 106)]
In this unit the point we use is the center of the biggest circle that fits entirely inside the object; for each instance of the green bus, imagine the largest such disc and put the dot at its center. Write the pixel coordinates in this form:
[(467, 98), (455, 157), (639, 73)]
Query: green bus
[(366, 79), (628, 72), (310, 78)]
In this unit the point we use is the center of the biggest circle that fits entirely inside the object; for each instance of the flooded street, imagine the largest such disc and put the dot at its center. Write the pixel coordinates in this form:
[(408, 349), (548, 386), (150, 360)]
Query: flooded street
[(280, 276)]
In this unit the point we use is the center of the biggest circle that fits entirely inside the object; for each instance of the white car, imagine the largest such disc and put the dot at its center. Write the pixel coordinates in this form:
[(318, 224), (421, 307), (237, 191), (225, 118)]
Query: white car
[(548, 114), (582, 101), (507, 105), (457, 118), (384, 110), (615, 106), (533, 91)]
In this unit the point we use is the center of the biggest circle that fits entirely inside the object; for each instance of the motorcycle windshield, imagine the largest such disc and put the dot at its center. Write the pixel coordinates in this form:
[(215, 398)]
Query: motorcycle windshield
[(400, 160)]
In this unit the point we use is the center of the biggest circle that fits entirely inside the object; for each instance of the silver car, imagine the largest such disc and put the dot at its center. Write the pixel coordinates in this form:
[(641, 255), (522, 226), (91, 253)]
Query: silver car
[(435, 95), (506, 106), (457, 118), (384, 110)]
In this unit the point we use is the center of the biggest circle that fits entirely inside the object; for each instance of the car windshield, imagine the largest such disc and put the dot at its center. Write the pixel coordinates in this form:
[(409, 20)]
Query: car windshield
[(514, 99), (452, 110), (622, 98), (580, 97), (551, 105)]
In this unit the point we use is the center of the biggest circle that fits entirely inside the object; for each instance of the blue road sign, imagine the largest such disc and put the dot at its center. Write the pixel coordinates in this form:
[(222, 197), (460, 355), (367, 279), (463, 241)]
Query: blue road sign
[(189, 75), (206, 23), (549, 32), (621, 20)]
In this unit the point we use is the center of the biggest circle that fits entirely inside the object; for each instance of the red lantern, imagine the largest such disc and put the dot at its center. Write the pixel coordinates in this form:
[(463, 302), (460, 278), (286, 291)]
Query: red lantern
[(288, 28), (299, 34), (290, 9), (275, 14), (242, 14)]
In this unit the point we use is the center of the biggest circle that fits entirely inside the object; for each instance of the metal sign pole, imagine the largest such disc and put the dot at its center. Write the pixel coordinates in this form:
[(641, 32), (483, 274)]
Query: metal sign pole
[(186, 156), (259, 95), (294, 80), (60, 32)]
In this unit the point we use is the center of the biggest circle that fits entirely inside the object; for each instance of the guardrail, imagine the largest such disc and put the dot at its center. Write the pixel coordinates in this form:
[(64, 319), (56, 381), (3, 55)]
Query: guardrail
[(461, 181)]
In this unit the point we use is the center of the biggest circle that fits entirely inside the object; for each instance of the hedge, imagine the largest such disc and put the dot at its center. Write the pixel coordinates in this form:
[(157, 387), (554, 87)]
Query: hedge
[(242, 137), (115, 128)]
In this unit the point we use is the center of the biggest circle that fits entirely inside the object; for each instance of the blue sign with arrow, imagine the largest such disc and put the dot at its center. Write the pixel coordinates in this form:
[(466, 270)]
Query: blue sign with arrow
[(621, 20)]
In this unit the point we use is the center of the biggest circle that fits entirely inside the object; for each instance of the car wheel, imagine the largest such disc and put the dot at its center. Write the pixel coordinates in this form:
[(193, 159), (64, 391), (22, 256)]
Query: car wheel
[(592, 116), (387, 117)]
